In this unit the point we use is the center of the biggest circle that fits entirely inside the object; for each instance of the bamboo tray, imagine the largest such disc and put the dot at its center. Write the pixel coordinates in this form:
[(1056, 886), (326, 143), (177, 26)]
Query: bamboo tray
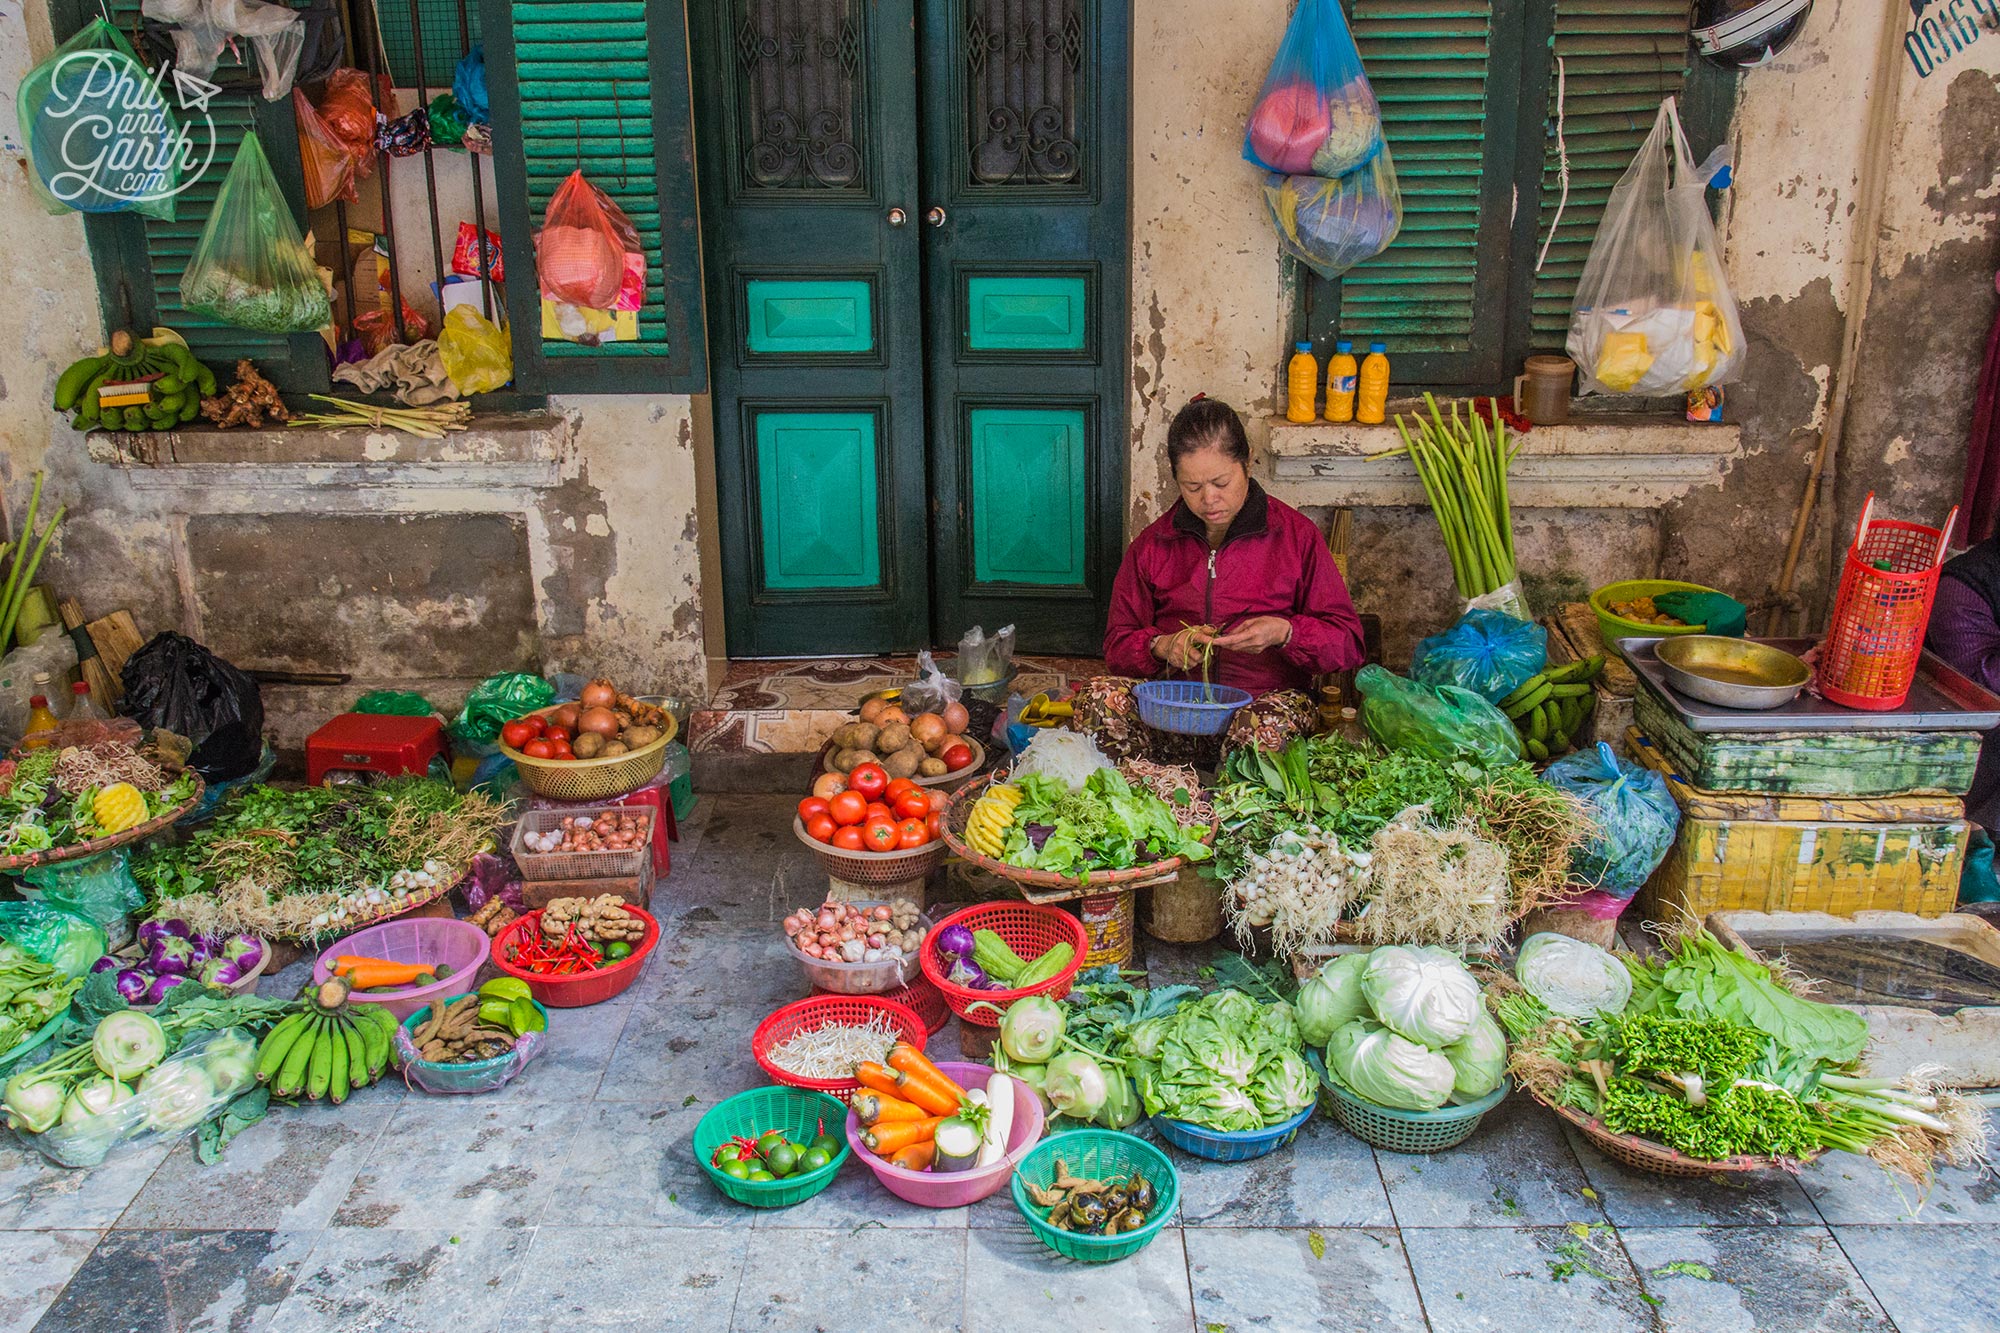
[(83, 850), (1044, 886)]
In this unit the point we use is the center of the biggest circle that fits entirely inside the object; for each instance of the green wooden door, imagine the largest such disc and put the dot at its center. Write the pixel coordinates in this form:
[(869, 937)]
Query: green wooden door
[(914, 213)]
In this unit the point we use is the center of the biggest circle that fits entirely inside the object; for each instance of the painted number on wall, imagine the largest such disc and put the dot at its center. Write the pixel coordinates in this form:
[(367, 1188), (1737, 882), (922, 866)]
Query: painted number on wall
[(1940, 29)]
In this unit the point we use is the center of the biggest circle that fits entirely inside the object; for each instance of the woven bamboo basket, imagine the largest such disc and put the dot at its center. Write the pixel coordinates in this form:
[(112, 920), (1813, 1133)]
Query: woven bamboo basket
[(959, 809), (593, 779)]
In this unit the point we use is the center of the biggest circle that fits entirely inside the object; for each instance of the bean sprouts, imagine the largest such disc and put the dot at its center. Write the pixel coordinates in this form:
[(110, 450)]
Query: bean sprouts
[(831, 1050)]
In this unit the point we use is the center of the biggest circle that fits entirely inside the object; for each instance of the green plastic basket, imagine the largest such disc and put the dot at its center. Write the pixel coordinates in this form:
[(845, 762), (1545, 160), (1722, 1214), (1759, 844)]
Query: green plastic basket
[(1098, 1154), (799, 1114), (1405, 1131)]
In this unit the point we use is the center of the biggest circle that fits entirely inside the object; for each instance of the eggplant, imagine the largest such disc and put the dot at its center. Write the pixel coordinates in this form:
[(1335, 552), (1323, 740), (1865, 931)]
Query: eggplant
[(132, 984), (246, 951), (170, 955), (152, 930), (201, 948), (955, 942), (965, 972), (106, 964), (958, 1143), (161, 985), (220, 972)]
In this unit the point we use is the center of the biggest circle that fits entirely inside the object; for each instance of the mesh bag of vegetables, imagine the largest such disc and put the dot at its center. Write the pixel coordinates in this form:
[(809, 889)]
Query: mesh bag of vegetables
[(251, 268), (1635, 816), (1442, 721)]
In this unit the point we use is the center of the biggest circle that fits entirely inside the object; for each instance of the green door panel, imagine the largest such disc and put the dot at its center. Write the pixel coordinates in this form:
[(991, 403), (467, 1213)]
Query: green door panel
[(801, 316), (816, 486), (1030, 477), (1025, 313)]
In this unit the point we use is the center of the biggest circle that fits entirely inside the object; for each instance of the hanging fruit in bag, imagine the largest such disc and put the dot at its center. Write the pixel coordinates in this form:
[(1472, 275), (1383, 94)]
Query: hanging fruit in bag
[(1316, 114), (580, 251)]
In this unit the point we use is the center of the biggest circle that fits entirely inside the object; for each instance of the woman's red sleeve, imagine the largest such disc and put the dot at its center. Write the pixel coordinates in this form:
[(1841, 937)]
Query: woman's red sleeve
[(1128, 624), (1326, 632)]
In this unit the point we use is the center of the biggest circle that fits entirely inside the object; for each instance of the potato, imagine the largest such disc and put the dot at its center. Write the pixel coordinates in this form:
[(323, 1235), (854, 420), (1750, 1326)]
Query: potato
[(613, 747), (637, 737), (856, 736), (846, 761), (893, 737), (588, 745), (931, 768), (903, 763)]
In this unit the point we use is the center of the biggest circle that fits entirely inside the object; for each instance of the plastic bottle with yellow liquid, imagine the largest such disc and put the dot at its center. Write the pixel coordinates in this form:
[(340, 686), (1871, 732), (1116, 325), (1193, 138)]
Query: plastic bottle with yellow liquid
[(1341, 373), (1372, 400), (1301, 384)]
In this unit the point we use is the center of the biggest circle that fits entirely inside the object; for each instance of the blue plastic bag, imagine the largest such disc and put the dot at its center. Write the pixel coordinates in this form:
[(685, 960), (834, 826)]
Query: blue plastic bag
[(468, 85), (1316, 114), (1635, 814), (1488, 652)]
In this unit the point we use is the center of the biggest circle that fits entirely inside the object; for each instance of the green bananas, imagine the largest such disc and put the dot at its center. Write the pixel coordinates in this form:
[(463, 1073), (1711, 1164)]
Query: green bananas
[(176, 395), (327, 1052), (1549, 708)]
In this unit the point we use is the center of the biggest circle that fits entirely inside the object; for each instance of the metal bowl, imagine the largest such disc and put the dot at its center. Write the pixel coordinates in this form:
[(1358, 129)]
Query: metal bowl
[(1732, 673)]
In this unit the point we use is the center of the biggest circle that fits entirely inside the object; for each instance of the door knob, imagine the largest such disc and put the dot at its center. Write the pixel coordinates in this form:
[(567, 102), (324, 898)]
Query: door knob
[(935, 217), (897, 217)]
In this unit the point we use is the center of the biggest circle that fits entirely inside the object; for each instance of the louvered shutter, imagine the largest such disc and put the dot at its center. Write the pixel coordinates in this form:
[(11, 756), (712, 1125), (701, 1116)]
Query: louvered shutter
[(601, 85), (1620, 58), (140, 259)]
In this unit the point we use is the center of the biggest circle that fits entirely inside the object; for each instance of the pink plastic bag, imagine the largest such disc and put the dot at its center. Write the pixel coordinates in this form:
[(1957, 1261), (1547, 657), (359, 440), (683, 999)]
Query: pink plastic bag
[(581, 248)]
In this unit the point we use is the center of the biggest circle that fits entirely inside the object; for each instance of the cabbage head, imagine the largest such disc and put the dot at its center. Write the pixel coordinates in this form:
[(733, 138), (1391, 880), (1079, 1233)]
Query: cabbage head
[(1478, 1060), (1378, 1066), (1422, 993), (1572, 977), (1285, 1086), (1332, 999)]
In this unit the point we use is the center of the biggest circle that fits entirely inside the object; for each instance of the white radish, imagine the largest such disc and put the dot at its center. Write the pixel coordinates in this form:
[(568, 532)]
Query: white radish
[(1000, 1121)]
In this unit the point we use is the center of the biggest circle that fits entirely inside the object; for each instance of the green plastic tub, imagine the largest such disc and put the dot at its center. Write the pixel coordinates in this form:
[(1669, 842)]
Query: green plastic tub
[(1098, 1154), (1616, 627), (801, 1115)]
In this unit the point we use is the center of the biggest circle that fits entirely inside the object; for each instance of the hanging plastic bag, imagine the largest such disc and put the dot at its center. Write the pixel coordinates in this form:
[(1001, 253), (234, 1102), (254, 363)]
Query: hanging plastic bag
[(1332, 225), (1442, 721), (176, 684), (328, 164), (1488, 652), (251, 268), (580, 250), (1636, 818), (1316, 114), (475, 351), (94, 81), (468, 85), (1653, 313)]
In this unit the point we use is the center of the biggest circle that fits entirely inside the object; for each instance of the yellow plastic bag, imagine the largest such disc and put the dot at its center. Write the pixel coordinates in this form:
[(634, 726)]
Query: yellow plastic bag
[(475, 351)]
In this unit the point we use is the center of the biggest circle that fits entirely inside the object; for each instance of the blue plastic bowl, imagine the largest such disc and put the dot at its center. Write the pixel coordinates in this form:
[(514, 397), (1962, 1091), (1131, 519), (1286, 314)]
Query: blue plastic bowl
[(1188, 707), (1237, 1146)]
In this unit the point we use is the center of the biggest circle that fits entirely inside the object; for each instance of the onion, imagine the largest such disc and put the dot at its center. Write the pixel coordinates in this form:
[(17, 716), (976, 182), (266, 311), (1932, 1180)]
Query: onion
[(927, 729), (880, 913), (956, 719), (600, 720), (827, 919), (599, 694), (565, 717)]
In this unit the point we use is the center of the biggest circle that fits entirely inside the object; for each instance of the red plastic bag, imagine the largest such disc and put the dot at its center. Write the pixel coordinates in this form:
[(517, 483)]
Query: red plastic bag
[(580, 251), (325, 160), (349, 112)]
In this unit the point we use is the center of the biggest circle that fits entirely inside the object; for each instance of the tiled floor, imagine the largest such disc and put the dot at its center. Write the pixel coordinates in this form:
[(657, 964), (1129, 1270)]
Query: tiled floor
[(571, 1201)]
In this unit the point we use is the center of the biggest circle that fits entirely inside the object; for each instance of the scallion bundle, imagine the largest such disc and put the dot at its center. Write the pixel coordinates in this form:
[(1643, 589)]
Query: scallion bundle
[(1462, 462)]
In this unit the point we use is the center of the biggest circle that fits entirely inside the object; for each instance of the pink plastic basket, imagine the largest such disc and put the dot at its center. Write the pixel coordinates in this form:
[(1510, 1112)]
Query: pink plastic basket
[(956, 1189), (429, 940)]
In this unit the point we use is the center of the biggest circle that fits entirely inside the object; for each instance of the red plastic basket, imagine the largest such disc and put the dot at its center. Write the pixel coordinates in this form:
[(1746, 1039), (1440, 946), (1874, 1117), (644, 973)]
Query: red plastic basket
[(579, 988), (920, 998), (1029, 930), (817, 1011), (1870, 654)]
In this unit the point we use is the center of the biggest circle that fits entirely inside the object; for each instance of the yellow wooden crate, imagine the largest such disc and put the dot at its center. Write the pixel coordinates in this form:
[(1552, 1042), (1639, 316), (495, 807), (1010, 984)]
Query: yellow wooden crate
[(1841, 868)]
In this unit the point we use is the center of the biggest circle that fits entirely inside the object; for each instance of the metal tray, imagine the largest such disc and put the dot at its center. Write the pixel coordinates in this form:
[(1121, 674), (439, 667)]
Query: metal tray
[(1940, 700)]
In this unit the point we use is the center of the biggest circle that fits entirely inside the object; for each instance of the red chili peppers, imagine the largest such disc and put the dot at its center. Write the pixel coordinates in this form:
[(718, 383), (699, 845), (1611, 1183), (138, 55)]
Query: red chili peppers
[(571, 957)]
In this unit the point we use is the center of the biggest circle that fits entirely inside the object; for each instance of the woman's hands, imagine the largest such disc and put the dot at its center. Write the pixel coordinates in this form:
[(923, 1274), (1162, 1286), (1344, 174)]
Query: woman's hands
[(1257, 634), (1183, 649)]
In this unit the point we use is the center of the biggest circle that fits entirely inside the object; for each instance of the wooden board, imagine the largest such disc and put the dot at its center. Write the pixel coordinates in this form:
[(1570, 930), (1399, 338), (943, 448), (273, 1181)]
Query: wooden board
[(634, 889), (117, 637), (1579, 626), (105, 687), (1783, 808)]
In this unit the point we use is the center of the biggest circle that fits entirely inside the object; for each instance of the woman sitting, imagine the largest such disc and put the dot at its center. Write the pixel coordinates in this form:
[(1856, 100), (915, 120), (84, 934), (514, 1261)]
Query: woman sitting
[(1228, 582)]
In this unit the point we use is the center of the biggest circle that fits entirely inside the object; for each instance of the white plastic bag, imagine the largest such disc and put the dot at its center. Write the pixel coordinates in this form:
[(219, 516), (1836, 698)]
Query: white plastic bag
[(1653, 313)]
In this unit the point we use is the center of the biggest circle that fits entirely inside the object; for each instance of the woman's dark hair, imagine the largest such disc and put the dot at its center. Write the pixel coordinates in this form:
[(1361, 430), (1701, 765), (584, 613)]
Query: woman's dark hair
[(1206, 423)]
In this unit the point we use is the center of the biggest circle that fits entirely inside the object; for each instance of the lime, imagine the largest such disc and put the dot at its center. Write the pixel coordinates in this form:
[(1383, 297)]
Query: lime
[(504, 988), (500, 1013), (616, 950), (827, 1144), (736, 1170), (524, 1017), (812, 1159), (769, 1139), (760, 1176), (782, 1159)]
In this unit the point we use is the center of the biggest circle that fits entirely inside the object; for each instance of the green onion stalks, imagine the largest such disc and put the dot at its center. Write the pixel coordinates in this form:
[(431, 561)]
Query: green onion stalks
[(27, 560), (1462, 462)]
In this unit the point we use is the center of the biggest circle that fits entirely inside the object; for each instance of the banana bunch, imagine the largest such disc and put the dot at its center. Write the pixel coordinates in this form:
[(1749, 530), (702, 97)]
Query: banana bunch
[(992, 814), (328, 1050), (175, 396), (1549, 708)]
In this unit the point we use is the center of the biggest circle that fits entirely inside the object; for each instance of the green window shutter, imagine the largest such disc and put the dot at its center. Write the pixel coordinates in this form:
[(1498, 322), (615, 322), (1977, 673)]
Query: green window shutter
[(1620, 58), (601, 85), (404, 24), (140, 260)]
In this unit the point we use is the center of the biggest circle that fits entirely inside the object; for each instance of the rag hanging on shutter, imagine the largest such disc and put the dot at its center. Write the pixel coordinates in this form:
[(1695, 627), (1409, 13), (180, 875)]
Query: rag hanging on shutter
[(1981, 499)]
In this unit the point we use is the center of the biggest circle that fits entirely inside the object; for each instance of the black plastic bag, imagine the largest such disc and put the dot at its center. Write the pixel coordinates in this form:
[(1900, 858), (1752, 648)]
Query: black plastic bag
[(175, 683)]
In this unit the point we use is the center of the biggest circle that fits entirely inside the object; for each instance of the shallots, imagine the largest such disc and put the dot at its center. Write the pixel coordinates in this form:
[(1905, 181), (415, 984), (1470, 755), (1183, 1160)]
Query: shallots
[(842, 932), (609, 831)]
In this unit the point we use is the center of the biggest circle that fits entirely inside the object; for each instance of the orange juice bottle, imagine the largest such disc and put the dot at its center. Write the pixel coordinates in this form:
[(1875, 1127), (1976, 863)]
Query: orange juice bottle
[(1372, 405), (42, 723), (1340, 382), (1301, 385)]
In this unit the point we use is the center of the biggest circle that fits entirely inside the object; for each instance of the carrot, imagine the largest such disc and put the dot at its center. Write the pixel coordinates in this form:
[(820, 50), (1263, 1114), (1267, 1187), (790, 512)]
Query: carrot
[(916, 1157), (920, 1081), (363, 973), (871, 1106), (907, 1059), (887, 1140), (878, 1078)]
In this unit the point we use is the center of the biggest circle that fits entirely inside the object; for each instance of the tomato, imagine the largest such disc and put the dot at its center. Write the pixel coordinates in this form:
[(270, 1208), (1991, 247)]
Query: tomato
[(935, 825), (810, 806), (899, 788), (937, 799), (847, 839), (829, 785), (877, 810), (560, 749), (847, 809), (539, 749), (912, 833), (518, 733), (820, 828), (912, 805), (871, 780), (956, 757), (879, 835), (556, 734)]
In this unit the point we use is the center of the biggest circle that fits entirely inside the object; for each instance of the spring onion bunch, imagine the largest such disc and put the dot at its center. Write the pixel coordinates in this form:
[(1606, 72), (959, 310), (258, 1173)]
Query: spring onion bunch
[(1462, 461)]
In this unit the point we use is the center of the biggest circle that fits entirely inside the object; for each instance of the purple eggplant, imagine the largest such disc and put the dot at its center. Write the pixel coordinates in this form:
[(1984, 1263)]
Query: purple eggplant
[(965, 972), (246, 951), (132, 984), (106, 964), (161, 985), (201, 948), (220, 972), (177, 928), (152, 930), (170, 955), (955, 942)]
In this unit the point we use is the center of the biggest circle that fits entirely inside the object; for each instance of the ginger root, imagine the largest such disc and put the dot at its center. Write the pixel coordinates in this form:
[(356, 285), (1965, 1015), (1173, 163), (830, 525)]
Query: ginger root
[(597, 919), (247, 402)]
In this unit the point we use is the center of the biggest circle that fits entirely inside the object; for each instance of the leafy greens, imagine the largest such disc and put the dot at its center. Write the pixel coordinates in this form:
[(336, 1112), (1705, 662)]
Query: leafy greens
[(1109, 825)]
